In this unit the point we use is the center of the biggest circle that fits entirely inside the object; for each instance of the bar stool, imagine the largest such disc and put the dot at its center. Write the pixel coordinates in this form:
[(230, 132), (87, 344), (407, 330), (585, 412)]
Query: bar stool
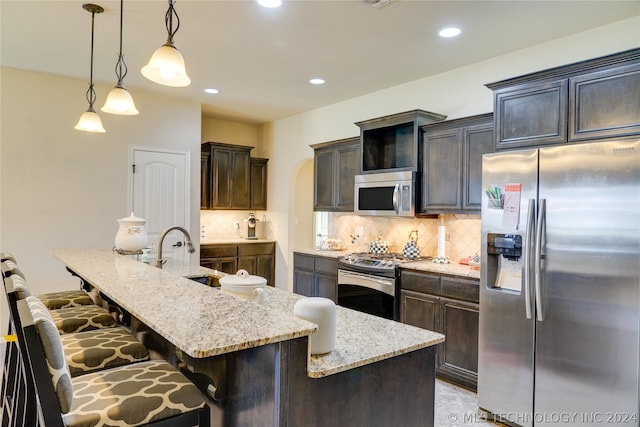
[(145, 393)]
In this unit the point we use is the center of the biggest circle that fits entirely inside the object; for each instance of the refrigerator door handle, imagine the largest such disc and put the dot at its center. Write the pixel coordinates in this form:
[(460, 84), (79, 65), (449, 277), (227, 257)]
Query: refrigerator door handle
[(529, 236), (539, 256)]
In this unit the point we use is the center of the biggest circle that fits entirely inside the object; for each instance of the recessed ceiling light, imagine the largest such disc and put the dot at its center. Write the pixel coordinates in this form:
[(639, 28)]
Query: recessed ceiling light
[(214, 91), (270, 3), (450, 32), (317, 81)]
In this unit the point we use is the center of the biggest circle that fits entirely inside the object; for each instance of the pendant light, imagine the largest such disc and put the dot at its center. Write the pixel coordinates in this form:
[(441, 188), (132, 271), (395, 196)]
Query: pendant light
[(119, 100), (166, 65), (89, 120)]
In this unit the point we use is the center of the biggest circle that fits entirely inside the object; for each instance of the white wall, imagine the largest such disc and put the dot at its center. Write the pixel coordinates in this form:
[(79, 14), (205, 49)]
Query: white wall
[(63, 187), (458, 93)]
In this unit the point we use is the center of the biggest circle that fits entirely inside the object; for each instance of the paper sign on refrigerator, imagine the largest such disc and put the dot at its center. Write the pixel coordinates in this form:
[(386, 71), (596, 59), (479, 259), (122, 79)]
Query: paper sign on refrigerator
[(511, 206)]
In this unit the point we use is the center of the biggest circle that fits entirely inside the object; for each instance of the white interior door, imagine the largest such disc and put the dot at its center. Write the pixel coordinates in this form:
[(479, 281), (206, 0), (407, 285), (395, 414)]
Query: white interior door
[(160, 194)]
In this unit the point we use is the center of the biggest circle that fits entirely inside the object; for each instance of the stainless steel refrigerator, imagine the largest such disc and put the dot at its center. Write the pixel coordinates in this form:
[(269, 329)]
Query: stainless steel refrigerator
[(560, 285)]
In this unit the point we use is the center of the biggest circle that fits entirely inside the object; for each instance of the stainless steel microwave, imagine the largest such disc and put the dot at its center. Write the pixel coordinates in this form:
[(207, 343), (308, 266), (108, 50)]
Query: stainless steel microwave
[(385, 194)]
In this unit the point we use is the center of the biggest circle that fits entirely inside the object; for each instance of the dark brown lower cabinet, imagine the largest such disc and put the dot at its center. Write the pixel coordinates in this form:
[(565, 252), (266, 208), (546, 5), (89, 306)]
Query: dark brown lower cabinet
[(448, 305), (257, 258), (315, 276)]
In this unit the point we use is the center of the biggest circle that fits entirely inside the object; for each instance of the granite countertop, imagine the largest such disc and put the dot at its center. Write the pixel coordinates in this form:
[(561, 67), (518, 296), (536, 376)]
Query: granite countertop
[(199, 320), (234, 241), (186, 312), (325, 253), (454, 269), (360, 338)]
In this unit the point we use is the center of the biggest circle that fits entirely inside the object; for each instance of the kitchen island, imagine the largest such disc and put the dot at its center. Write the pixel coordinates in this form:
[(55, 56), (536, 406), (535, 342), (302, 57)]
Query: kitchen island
[(252, 360)]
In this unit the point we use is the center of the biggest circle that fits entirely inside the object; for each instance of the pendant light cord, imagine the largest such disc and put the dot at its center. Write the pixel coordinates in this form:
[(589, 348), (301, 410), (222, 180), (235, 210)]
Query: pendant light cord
[(168, 21), (121, 66), (91, 93)]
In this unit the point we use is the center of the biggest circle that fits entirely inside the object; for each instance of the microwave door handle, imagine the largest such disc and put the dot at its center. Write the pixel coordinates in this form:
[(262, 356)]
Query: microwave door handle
[(396, 197)]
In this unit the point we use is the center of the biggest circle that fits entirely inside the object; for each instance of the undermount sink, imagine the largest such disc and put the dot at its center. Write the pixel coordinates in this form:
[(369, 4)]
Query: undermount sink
[(207, 279)]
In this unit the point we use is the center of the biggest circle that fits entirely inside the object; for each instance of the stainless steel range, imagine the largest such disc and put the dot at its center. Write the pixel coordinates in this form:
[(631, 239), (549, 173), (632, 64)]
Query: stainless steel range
[(370, 283)]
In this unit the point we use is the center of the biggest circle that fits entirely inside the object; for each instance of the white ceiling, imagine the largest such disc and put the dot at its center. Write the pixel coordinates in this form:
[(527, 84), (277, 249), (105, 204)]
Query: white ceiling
[(261, 59)]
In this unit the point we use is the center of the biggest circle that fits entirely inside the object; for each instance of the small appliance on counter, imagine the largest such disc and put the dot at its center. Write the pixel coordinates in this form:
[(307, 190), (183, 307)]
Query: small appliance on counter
[(252, 223), (131, 237)]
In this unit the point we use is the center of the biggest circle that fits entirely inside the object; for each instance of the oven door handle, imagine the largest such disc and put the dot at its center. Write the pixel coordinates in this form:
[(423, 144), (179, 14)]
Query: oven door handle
[(368, 281)]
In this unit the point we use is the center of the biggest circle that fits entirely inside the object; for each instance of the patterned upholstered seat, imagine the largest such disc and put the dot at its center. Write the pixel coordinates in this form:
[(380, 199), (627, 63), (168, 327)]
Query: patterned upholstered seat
[(96, 349), (137, 394), (85, 318), (101, 349)]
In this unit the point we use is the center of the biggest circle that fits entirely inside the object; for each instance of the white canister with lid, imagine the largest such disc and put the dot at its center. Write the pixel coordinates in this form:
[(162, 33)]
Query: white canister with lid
[(246, 286), (131, 235), (322, 312)]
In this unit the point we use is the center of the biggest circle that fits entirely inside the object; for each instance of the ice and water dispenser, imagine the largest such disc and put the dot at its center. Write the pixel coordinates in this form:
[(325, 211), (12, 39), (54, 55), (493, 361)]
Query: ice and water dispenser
[(504, 261)]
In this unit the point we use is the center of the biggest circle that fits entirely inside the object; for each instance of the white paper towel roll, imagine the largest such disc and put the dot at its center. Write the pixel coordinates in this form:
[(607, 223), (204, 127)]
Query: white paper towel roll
[(441, 241), (322, 312)]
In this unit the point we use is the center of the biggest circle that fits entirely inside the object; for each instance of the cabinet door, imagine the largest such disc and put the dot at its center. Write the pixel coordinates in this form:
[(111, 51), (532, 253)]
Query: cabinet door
[(347, 168), (327, 286), (323, 180), (605, 104), (458, 355), (205, 180), (249, 263), (442, 171), (532, 115), (265, 267), (240, 180), (258, 184), (221, 163), (421, 310), (477, 140), (303, 282)]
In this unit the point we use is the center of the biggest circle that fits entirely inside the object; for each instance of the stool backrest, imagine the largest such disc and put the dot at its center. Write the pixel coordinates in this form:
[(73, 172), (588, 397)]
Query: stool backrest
[(36, 364)]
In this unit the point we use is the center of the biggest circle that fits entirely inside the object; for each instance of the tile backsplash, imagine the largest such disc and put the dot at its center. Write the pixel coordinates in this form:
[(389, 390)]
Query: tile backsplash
[(221, 225), (462, 232)]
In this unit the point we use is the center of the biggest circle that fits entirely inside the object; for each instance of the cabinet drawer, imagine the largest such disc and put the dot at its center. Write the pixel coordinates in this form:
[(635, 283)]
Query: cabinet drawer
[(419, 282), (468, 290), (326, 265), (304, 262), (217, 251), (250, 249)]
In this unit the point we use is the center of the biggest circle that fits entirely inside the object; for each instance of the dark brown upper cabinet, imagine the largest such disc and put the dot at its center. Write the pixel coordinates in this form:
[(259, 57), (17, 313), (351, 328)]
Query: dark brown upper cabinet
[(258, 179), (336, 164), (390, 143), (228, 177), (598, 98), (452, 164)]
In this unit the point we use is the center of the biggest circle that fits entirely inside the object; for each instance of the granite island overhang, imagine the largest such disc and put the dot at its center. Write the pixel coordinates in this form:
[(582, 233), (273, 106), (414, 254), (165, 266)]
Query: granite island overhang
[(252, 359)]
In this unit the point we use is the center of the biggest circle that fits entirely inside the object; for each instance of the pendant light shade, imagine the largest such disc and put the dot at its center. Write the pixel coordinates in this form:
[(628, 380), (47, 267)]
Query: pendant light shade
[(119, 100), (89, 120), (166, 65)]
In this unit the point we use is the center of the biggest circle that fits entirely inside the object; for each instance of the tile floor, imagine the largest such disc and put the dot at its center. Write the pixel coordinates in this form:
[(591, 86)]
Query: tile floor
[(458, 407)]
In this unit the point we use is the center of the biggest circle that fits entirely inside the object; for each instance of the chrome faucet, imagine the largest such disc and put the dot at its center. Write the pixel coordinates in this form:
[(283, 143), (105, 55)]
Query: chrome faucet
[(190, 246)]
